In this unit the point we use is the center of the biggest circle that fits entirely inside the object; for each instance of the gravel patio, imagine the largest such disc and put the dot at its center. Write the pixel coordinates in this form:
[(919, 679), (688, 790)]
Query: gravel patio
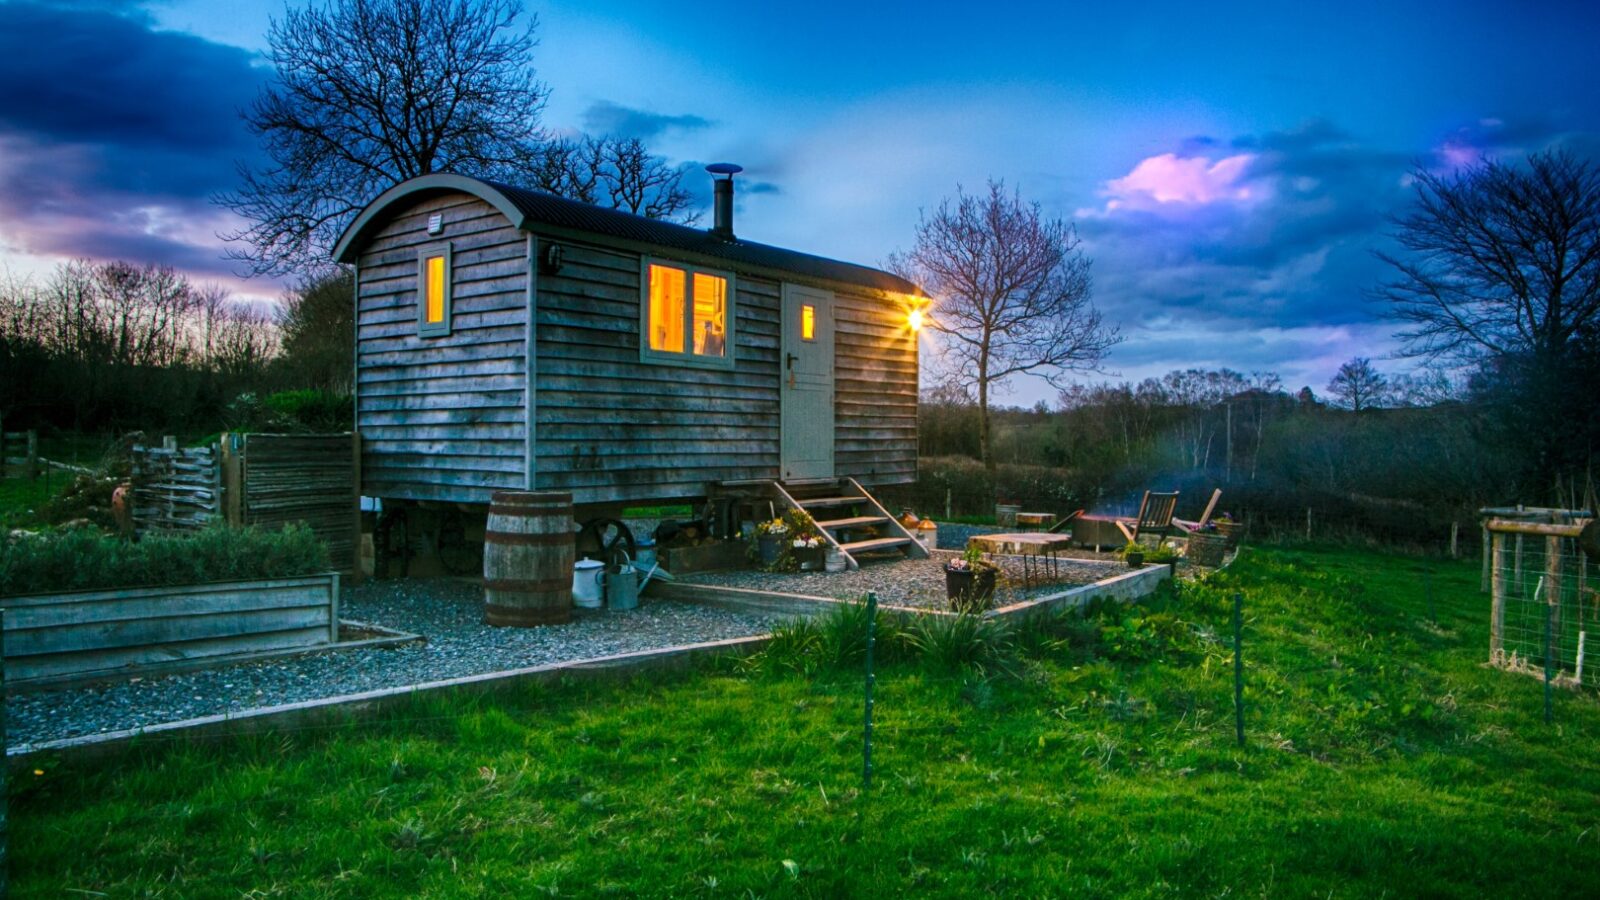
[(917, 583), (447, 612)]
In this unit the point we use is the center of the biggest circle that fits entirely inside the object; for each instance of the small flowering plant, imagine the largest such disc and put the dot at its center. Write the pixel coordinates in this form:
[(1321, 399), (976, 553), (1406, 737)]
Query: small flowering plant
[(970, 560), (773, 528), (807, 541)]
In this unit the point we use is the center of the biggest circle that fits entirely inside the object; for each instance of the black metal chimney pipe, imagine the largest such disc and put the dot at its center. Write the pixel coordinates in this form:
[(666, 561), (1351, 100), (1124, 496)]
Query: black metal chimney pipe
[(722, 198)]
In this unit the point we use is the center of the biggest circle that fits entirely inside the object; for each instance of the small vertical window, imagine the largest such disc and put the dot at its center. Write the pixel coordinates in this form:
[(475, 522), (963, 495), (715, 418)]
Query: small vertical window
[(686, 315), (808, 322), (433, 291), (710, 314), (666, 308)]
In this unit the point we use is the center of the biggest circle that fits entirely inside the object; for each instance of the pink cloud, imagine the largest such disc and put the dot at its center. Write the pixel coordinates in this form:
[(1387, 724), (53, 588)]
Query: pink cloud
[(1173, 179)]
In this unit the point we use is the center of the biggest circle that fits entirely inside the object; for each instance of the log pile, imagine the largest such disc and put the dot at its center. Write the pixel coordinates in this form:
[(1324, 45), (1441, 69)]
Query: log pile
[(176, 490)]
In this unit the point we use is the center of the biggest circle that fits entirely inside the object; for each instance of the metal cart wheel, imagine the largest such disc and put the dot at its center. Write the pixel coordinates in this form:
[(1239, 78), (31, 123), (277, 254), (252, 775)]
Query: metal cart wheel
[(609, 540)]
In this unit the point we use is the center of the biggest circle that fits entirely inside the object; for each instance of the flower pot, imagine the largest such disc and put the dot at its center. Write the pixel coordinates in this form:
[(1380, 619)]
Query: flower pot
[(969, 588), (768, 548), (833, 561), (1230, 531), (1207, 549), (1135, 560)]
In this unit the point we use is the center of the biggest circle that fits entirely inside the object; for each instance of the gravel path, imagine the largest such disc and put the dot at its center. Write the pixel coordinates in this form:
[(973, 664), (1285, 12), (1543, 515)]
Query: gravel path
[(448, 612), (912, 582)]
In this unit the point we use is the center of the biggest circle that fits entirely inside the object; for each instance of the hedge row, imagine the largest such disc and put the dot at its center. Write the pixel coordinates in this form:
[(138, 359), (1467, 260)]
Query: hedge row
[(86, 559)]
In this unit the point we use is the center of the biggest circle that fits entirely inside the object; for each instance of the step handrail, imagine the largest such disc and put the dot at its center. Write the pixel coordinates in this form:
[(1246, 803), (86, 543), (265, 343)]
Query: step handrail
[(916, 550), (849, 561)]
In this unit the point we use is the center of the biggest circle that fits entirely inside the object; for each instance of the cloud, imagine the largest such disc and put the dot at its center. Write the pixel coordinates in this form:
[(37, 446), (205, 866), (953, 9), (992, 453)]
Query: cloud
[(607, 118), (1170, 178), (114, 135)]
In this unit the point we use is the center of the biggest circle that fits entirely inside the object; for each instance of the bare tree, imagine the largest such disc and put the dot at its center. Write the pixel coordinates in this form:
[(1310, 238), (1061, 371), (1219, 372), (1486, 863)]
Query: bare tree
[(1012, 295), (1357, 385), (617, 172), (1499, 259), (369, 93)]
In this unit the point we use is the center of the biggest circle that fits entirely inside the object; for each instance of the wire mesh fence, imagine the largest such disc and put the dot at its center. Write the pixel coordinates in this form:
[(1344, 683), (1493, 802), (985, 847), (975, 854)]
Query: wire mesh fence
[(1545, 593)]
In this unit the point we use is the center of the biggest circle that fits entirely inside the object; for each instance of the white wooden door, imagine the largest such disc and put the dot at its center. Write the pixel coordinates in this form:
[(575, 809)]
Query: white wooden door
[(807, 391)]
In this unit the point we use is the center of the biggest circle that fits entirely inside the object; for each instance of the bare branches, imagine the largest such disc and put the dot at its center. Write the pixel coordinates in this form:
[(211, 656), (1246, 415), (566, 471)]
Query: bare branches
[(620, 173), (1499, 260), (369, 93), (1357, 385), (1011, 292)]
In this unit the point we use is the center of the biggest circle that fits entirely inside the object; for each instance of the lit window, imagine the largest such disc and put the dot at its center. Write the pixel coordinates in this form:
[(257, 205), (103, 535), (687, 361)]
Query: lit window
[(710, 314), (808, 322), (666, 309), (686, 315), (433, 291), (435, 304)]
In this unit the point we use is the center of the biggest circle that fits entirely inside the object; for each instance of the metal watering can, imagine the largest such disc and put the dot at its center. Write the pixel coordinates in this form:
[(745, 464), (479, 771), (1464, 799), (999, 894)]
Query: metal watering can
[(621, 587)]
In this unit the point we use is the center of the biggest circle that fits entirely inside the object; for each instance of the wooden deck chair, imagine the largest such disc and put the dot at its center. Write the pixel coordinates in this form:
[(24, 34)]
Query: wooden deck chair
[(1205, 517), (1155, 517)]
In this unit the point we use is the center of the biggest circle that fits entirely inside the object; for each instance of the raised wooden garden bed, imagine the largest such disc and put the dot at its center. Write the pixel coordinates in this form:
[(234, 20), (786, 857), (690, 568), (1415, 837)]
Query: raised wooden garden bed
[(92, 634)]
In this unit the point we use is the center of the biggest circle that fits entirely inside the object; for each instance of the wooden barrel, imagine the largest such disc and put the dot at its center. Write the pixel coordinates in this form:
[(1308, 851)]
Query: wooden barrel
[(527, 558)]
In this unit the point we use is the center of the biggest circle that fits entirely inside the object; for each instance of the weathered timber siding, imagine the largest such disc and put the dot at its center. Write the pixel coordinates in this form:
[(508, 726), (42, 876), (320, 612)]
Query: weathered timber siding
[(611, 427), (875, 390), (137, 630), (443, 418)]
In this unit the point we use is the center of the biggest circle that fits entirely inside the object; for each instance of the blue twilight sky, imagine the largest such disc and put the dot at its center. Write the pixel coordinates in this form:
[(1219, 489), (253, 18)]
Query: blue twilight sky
[(1229, 166)]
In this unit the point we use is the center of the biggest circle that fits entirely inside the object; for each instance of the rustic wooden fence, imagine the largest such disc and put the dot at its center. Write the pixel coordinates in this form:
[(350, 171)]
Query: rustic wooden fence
[(19, 453), (255, 479), (299, 478), (176, 489)]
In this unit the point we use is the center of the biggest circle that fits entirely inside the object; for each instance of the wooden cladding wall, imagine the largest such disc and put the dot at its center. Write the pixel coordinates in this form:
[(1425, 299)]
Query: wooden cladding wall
[(611, 427), (875, 391), (443, 418)]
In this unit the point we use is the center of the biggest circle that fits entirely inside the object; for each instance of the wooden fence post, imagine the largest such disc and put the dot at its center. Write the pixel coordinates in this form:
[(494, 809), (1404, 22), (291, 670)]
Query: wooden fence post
[(30, 466), (1497, 599), (1308, 523), (1455, 537), (356, 575), (1484, 587)]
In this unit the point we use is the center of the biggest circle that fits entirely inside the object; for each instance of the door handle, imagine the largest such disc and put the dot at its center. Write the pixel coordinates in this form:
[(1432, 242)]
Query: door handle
[(789, 359)]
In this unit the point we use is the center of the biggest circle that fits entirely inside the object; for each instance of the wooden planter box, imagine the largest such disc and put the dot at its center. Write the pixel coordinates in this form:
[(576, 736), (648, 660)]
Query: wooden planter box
[(96, 634), (705, 558), (1207, 549)]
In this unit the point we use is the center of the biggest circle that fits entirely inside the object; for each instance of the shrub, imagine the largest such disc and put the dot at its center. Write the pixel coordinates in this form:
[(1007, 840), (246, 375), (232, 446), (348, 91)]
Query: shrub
[(88, 560), (290, 411), (961, 641)]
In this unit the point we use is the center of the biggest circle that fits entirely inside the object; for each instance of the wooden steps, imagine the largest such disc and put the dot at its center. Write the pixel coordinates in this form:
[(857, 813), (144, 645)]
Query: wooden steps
[(838, 506), (851, 522), (875, 544)]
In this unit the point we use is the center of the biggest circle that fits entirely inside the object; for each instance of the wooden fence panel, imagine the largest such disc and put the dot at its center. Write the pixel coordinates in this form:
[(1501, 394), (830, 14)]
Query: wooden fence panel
[(308, 478)]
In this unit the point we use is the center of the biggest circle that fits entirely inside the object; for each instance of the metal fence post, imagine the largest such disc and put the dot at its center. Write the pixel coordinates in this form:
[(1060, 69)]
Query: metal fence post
[(866, 732), (1238, 666), (1549, 613)]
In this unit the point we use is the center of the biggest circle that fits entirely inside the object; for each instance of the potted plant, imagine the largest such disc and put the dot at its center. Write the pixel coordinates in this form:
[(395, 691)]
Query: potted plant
[(769, 540), (1207, 546), (807, 550), (1134, 554), (1230, 528), (969, 580)]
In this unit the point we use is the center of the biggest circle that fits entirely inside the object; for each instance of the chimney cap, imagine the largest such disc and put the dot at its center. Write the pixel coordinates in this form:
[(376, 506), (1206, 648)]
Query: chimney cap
[(724, 168)]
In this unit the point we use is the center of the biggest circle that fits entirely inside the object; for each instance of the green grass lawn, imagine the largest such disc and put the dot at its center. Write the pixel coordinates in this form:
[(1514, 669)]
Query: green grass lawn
[(20, 499), (1382, 760)]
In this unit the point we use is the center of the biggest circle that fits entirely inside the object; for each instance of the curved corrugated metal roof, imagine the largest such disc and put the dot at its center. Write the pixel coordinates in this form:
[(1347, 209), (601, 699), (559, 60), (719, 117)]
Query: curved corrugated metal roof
[(535, 207)]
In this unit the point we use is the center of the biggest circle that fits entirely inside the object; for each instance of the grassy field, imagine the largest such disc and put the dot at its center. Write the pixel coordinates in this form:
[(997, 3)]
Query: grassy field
[(1093, 757)]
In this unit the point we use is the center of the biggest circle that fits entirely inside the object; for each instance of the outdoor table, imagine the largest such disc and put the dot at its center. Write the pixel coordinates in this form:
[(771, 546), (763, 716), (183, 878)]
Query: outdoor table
[(1035, 548), (1039, 520)]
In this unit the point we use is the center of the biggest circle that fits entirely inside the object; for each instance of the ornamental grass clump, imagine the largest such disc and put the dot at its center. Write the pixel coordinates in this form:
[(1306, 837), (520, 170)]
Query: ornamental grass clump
[(84, 559)]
